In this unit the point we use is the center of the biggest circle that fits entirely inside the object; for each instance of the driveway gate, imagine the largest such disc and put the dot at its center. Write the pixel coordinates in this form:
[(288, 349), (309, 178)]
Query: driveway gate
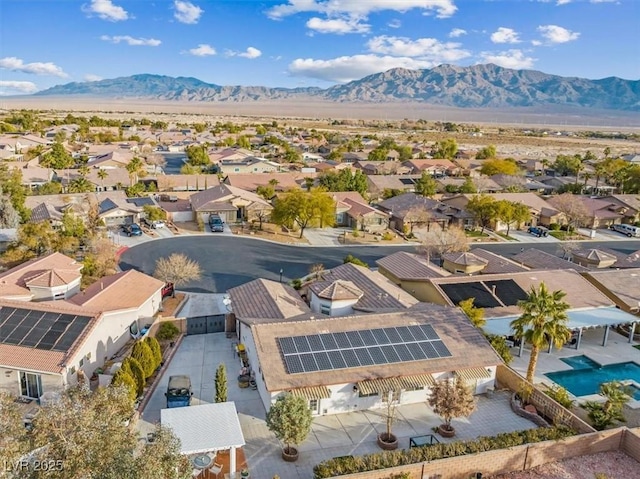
[(206, 324)]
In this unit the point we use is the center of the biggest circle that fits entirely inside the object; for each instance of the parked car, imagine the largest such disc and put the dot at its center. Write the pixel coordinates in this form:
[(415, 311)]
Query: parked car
[(170, 198), (216, 224), (154, 224), (132, 230), (538, 231), (628, 230)]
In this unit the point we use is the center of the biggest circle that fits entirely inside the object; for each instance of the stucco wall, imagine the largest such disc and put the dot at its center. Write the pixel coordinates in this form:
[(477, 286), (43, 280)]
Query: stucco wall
[(338, 308), (10, 381)]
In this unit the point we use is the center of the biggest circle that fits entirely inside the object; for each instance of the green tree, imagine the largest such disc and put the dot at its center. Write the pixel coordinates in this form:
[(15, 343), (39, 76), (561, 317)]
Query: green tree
[(33, 240), (178, 269), (451, 398), (154, 213), (14, 441), (499, 344), (266, 191), (378, 154), (475, 315), (344, 180), (102, 174), (49, 188), (11, 185), (57, 158), (155, 349), (446, 148), (304, 209), (468, 186), (143, 354), (9, 217), (498, 166), (486, 153), (167, 331), (123, 379), (132, 367), (426, 185), (221, 383), (135, 168), (289, 418), (80, 185), (197, 155), (543, 319), (511, 212), (243, 142), (567, 164), (483, 209)]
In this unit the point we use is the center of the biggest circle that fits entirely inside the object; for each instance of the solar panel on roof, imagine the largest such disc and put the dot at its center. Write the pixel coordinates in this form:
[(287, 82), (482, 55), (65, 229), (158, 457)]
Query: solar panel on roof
[(328, 341), (350, 358), (18, 334), (364, 357), (355, 339), (293, 363), (460, 291), (443, 351), (322, 360), (302, 345), (429, 332), (342, 340), (405, 334), (64, 343), (308, 362), (368, 338), (380, 336), (391, 354), (315, 342), (416, 351), (403, 352), (418, 333), (507, 291), (287, 346), (337, 361), (377, 355), (429, 350), (407, 181), (393, 335)]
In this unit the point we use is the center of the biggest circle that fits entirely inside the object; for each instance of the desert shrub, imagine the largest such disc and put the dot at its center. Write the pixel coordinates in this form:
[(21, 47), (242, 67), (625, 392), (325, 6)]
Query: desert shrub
[(167, 331), (296, 283), (554, 226), (387, 236), (355, 233), (352, 259), (560, 395)]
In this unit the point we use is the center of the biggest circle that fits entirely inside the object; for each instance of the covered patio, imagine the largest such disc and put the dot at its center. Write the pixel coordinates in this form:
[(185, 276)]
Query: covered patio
[(579, 321), (210, 434)]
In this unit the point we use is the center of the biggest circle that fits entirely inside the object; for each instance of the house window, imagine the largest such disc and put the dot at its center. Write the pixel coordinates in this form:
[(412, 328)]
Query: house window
[(58, 296), (30, 385), (236, 170), (391, 396), (362, 395), (81, 362), (72, 370), (313, 405), (325, 309)]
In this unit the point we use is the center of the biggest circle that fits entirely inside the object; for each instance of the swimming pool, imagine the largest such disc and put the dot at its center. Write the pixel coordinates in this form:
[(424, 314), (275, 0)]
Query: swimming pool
[(587, 375)]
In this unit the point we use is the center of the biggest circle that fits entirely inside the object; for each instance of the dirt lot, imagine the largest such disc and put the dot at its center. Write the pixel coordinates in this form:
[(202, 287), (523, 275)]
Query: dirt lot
[(271, 232)]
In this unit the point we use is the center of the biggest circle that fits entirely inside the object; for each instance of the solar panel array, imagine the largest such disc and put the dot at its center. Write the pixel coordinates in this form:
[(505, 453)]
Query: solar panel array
[(506, 290), (40, 329), (353, 349)]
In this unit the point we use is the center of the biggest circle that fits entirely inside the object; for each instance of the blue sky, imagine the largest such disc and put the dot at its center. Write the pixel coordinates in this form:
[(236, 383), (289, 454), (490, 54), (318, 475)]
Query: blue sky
[(308, 42)]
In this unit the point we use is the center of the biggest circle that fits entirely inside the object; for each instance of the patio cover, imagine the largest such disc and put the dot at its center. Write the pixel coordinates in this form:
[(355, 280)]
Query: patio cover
[(384, 385), (312, 392), (204, 428), (578, 319)]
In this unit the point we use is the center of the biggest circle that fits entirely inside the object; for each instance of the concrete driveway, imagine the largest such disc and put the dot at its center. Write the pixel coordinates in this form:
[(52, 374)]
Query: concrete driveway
[(337, 435), (323, 236)]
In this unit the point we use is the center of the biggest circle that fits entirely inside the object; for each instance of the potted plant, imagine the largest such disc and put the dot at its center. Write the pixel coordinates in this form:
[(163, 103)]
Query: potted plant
[(387, 440), (451, 398), (289, 418), (244, 473)]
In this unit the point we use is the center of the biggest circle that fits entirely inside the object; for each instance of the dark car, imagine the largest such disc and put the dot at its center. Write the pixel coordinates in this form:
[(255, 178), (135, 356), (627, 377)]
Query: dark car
[(132, 230), (216, 224), (538, 231)]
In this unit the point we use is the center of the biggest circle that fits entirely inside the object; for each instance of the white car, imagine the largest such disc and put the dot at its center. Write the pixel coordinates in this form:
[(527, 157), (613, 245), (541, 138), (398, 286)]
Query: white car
[(155, 224)]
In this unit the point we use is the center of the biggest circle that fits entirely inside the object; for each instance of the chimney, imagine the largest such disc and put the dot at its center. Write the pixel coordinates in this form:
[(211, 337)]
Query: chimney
[(493, 289)]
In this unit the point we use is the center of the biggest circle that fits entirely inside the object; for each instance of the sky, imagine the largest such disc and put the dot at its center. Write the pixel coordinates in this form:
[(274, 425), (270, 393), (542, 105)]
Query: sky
[(296, 43)]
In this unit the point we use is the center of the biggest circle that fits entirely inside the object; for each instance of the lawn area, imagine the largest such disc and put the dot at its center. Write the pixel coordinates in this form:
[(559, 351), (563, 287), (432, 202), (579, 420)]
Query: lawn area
[(565, 236), (476, 234), (637, 346), (505, 236)]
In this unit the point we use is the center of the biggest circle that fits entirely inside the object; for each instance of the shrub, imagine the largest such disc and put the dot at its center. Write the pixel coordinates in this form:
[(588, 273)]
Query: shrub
[(383, 460), (352, 259), (155, 349), (142, 353), (167, 331), (296, 283), (289, 418), (221, 384), (133, 368), (355, 233), (200, 224), (560, 395), (387, 236), (554, 226), (499, 343)]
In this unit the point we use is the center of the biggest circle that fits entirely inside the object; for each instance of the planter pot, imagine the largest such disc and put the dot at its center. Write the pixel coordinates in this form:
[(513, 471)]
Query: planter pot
[(290, 454), (445, 431), (387, 442), (243, 384)]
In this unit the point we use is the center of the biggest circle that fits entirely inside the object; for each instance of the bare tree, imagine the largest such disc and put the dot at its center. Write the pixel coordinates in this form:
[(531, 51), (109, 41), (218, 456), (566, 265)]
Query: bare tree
[(567, 248), (177, 269), (316, 269), (418, 215), (438, 242), (572, 207), (156, 160)]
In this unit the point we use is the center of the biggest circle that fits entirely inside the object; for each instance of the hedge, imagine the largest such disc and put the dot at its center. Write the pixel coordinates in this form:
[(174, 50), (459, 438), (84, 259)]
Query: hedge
[(339, 466), (155, 349)]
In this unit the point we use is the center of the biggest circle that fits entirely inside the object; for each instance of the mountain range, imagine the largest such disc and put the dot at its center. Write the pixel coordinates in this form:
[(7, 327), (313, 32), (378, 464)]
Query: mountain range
[(478, 86)]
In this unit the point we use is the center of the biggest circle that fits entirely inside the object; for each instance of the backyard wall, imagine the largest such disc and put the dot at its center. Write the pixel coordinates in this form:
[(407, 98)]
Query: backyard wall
[(516, 458), (508, 378)]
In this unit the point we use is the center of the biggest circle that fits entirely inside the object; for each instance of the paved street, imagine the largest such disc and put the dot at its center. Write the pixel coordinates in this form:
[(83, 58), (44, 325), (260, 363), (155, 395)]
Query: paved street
[(336, 435), (228, 261)]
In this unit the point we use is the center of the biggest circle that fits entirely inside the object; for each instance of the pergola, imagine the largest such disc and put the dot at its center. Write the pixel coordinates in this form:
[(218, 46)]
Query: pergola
[(579, 320), (206, 428)]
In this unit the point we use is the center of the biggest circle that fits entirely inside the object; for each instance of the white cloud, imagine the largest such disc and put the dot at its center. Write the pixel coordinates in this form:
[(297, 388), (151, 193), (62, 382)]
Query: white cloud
[(106, 10), (556, 34), (536, 43), (250, 53), (135, 42), (202, 50), (395, 23), (509, 59), (337, 25), (187, 12), (457, 32), (505, 35), (92, 77), (603, 1), (8, 87), (348, 68), (425, 48), (36, 68), (563, 2)]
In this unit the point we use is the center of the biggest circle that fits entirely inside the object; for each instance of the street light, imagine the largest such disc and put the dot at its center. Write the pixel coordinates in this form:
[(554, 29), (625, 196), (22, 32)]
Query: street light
[(281, 275)]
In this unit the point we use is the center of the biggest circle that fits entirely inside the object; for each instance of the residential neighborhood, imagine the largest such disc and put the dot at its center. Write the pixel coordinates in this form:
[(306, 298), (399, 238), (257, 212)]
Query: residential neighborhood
[(394, 291)]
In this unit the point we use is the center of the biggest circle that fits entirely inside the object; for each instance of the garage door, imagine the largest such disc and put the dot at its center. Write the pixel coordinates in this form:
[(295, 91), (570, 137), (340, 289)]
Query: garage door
[(206, 324)]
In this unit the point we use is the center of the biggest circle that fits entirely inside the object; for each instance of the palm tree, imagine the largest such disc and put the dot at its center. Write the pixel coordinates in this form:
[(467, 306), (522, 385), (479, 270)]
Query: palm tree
[(544, 318), (102, 174), (134, 168)]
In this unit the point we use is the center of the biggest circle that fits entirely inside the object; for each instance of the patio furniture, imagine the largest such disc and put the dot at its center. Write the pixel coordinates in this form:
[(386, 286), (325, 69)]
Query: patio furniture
[(216, 469), (202, 461), (426, 440), (196, 472)]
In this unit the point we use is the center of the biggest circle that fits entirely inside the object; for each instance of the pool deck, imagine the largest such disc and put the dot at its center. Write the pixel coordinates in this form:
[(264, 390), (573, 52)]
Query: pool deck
[(617, 350)]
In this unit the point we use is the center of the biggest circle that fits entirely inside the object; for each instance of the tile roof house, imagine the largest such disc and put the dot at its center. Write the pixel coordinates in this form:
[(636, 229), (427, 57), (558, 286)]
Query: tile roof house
[(377, 184), (378, 293), (630, 204), (170, 183), (32, 174), (357, 362), (54, 276), (537, 259), (353, 211), (599, 212), (437, 167), (265, 300), (115, 179), (381, 167), (249, 164), (231, 203), (44, 343), (593, 258), (621, 286), (410, 210), (285, 181)]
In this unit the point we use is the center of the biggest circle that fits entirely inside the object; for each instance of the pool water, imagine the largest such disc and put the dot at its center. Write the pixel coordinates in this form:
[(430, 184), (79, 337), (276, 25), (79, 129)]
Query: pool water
[(585, 378)]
